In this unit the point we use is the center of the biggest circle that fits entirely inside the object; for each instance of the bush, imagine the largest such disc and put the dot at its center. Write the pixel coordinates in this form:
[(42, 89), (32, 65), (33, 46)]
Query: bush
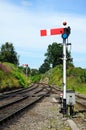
[(36, 78), (22, 79)]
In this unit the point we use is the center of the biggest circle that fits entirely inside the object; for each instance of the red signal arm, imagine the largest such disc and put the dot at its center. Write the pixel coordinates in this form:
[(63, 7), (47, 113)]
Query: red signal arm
[(54, 31)]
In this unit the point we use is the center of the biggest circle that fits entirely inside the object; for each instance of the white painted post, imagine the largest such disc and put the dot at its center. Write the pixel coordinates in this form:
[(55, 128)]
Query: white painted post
[(64, 68), (64, 76)]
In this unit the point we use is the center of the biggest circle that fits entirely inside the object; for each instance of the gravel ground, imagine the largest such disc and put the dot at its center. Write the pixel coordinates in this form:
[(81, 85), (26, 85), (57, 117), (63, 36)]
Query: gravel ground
[(43, 116), (80, 120)]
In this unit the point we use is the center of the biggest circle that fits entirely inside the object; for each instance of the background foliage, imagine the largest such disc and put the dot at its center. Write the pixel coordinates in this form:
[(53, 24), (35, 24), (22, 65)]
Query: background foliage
[(11, 76), (8, 54), (54, 57)]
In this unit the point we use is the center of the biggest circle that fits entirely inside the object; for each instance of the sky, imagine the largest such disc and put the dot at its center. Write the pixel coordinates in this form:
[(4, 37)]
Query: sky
[(22, 20)]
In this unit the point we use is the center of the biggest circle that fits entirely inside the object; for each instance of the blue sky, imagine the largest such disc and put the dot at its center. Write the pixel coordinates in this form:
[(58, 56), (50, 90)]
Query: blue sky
[(22, 20)]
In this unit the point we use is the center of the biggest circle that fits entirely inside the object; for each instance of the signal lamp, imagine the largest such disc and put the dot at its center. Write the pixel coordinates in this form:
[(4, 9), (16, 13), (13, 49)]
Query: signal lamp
[(66, 33)]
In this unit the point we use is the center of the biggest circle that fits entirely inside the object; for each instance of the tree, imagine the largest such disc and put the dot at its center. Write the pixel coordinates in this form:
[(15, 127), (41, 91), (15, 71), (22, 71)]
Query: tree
[(54, 54), (34, 72), (44, 67), (8, 54)]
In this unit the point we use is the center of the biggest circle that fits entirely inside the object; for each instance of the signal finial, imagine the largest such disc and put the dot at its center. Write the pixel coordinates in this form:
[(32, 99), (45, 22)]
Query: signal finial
[(64, 23)]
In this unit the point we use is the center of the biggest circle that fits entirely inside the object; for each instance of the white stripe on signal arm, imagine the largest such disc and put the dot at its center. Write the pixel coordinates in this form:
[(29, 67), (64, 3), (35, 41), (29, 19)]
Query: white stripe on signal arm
[(48, 32)]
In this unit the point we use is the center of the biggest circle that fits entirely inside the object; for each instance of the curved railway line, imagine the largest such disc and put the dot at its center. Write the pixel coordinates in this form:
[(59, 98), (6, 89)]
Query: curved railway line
[(13, 102), (81, 102)]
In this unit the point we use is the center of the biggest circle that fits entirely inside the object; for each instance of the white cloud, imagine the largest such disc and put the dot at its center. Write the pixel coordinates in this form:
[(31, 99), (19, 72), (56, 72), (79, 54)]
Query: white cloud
[(22, 27), (26, 3)]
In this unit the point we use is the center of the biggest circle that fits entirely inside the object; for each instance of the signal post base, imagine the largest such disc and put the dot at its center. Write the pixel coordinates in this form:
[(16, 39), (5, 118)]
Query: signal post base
[(64, 108)]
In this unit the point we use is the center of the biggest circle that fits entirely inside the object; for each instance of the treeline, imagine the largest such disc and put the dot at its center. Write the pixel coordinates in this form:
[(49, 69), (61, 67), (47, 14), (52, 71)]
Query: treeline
[(8, 54), (53, 57)]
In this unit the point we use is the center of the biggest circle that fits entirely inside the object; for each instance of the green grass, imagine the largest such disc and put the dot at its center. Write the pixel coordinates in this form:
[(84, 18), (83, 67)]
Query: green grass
[(76, 78), (36, 78), (11, 77)]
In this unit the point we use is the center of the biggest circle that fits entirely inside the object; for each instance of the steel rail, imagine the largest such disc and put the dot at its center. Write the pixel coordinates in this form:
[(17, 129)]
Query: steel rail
[(19, 91), (22, 97), (81, 102), (29, 101)]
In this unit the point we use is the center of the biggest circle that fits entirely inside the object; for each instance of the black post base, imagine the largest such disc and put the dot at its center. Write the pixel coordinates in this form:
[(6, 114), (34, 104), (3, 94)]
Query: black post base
[(64, 109)]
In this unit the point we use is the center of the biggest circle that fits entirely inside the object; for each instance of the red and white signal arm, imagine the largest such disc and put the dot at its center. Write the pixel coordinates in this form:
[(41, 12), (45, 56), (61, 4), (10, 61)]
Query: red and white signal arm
[(24, 65), (54, 31)]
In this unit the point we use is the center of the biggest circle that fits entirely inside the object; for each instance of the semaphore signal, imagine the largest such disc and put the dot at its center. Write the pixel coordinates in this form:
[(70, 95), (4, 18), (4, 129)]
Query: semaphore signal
[(65, 32), (24, 65)]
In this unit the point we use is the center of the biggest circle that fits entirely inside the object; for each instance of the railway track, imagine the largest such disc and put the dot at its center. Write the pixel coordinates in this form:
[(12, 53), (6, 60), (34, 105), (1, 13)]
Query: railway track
[(81, 102), (14, 102)]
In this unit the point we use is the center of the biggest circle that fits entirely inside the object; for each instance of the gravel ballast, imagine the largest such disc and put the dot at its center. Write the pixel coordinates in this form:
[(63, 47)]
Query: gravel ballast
[(43, 116)]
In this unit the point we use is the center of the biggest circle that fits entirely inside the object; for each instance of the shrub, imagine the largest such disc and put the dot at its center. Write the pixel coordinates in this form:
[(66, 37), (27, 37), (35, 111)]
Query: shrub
[(22, 79), (36, 78)]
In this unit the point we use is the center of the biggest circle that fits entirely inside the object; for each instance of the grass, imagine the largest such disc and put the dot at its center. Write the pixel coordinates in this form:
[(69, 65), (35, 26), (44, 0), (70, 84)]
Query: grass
[(36, 78), (76, 78), (11, 77)]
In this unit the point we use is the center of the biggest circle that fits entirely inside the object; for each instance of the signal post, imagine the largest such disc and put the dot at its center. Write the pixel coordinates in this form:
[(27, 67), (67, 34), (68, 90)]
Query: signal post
[(64, 37), (65, 32)]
